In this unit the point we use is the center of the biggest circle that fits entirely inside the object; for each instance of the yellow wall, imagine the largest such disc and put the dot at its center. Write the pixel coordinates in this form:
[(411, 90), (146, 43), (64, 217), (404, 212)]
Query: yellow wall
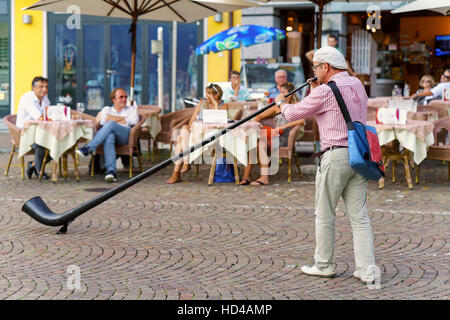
[(237, 16), (28, 49), (218, 62)]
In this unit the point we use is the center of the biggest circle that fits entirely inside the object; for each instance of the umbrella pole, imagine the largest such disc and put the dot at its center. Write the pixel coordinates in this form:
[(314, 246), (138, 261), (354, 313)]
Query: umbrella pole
[(133, 58), (319, 25), (243, 66)]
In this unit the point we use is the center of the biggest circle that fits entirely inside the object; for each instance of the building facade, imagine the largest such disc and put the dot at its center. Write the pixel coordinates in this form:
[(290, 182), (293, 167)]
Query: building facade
[(85, 62)]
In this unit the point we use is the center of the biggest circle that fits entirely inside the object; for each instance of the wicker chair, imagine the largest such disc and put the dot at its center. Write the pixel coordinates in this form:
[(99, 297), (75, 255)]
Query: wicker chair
[(442, 112), (441, 105), (289, 151), (311, 133), (131, 149), (169, 122), (15, 132), (440, 150)]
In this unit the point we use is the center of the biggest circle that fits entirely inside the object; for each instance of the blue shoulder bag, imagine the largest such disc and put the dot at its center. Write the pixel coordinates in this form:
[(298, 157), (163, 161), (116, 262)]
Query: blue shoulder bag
[(363, 146)]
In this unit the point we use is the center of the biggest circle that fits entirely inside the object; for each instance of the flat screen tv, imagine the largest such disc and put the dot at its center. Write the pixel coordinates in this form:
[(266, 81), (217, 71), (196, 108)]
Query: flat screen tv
[(442, 46)]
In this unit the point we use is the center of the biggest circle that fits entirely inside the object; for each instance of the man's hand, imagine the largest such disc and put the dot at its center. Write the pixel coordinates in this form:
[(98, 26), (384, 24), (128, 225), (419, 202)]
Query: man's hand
[(313, 84)]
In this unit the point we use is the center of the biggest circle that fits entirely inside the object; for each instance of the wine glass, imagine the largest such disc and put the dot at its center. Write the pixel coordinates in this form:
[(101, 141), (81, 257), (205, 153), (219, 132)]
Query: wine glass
[(80, 109), (246, 110)]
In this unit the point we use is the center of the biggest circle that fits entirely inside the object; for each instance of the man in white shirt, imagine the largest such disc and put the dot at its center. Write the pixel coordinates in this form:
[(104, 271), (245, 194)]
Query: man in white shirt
[(116, 124), (31, 106), (236, 92), (437, 91)]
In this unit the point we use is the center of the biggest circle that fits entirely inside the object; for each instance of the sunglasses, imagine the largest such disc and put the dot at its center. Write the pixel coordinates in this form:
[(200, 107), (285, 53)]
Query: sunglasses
[(448, 77)]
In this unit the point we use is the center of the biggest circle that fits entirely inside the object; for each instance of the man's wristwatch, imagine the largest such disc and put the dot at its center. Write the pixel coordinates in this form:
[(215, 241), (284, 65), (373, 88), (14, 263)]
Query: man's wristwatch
[(280, 102)]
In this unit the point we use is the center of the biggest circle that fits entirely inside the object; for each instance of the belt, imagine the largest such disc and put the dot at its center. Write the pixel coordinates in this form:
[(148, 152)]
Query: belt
[(319, 154)]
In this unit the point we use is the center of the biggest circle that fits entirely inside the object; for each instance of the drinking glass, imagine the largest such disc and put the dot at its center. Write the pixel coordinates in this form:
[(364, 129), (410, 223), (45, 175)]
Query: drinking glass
[(246, 110), (80, 109)]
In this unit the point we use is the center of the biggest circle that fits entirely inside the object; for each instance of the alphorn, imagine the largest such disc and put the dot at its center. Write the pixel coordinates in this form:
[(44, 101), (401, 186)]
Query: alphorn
[(37, 209)]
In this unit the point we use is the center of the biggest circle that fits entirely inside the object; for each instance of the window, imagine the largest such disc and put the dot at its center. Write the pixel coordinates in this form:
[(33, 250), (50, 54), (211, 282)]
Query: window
[(189, 72)]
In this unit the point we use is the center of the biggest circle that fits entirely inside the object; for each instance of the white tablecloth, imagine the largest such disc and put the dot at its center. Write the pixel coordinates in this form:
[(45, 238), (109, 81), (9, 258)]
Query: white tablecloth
[(56, 136), (237, 142), (415, 136), (153, 123)]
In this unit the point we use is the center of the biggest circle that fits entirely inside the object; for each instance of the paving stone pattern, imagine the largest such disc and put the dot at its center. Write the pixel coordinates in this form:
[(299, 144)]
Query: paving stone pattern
[(190, 241)]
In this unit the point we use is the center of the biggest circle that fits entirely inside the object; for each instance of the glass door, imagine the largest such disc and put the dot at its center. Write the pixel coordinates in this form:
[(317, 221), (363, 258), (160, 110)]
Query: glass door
[(94, 72), (86, 64), (119, 64), (66, 55)]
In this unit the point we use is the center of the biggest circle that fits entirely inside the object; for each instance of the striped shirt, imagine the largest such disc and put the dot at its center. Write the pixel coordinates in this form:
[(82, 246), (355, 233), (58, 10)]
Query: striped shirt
[(322, 105)]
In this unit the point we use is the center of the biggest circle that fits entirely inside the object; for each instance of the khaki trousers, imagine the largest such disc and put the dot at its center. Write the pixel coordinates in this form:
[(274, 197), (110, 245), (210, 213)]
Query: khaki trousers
[(335, 178)]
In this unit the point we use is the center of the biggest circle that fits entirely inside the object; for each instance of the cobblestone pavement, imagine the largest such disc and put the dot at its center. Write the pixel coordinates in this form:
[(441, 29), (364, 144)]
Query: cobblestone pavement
[(191, 241)]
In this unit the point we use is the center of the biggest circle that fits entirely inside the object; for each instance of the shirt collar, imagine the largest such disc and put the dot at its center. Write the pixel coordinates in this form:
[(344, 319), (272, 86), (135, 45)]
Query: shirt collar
[(34, 97), (340, 74)]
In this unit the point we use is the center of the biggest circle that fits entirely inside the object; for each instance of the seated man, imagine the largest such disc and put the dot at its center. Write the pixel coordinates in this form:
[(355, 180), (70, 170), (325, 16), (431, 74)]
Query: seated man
[(281, 77), (117, 122), (31, 107), (237, 92), (437, 91)]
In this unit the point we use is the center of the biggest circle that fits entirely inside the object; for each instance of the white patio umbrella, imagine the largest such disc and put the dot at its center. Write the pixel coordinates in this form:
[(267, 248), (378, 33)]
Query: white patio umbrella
[(165, 10), (441, 6)]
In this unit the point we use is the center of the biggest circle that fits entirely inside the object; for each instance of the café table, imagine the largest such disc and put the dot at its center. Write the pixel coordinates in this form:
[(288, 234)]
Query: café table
[(239, 142), (151, 126), (152, 121), (58, 137), (403, 142)]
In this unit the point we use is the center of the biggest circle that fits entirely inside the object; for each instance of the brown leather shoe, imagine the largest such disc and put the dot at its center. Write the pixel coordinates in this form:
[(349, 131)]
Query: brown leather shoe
[(185, 168), (174, 178)]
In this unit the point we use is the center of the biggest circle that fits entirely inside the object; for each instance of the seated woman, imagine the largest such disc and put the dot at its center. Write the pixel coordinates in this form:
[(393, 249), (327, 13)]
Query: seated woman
[(426, 83), (213, 101), (283, 127)]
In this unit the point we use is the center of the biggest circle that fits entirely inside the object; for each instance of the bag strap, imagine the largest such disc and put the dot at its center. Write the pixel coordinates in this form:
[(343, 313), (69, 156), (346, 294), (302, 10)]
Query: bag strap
[(341, 103)]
